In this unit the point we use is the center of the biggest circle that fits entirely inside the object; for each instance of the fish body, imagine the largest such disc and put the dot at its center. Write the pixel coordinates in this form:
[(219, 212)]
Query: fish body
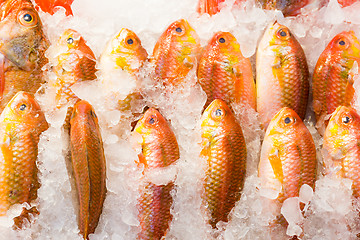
[(210, 7), (124, 52), (88, 165), (159, 149), (224, 73), (333, 77), (288, 155), (282, 75), (22, 46), (50, 6), (74, 62), (21, 124), (223, 147), (288, 7), (341, 143), (176, 53), (345, 3)]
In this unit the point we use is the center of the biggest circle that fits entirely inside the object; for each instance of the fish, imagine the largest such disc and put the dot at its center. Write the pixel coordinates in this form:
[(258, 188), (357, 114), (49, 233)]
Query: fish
[(287, 7), (224, 73), (175, 53), (282, 74), (341, 146), (210, 7), (124, 52), (88, 165), (345, 3), (158, 149), (21, 123), (51, 6), (22, 49), (333, 77), (288, 156), (223, 147), (74, 62)]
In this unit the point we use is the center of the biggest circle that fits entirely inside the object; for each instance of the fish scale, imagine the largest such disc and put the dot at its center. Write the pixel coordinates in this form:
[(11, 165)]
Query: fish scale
[(20, 129), (341, 143), (159, 149), (224, 73), (288, 155), (282, 75), (175, 53), (332, 79), (88, 165), (223, 147), (23, 45)]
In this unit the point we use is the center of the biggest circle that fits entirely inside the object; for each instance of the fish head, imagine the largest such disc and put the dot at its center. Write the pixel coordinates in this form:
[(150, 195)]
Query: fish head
[(21, 37), (345, 44), (72, 55), (23, 108), (224, 43), (215, 116), (126, 50), (84, 112), (285, 122), (344, 122), (277, 34), (151, 123), (181, 39), (71, 44)]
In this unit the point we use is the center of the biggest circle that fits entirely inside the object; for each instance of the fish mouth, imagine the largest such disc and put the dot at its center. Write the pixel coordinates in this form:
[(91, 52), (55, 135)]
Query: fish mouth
[(17, 53)]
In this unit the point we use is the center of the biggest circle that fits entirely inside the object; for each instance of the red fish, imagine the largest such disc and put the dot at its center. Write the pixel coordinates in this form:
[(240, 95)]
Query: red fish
[(176, 52), (159, 149), (210, 7), (50, 6)]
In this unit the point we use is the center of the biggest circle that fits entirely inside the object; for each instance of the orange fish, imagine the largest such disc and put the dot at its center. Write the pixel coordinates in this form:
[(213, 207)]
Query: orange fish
[(74, 62), (333, 76), (282, 75), (176, 52), (50, 6), (124, 51), (288, 7), (22, 46), (224, 73), (21, 124), (223, 147), (159, 149), (89, 166), (210, 7), (288, 155), (345, 3), (341, 143)]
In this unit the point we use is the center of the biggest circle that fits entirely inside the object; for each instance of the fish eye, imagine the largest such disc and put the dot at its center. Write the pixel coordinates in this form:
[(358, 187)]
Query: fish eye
[(178, 29), (283, 33), (130, 41), (218, 112), (152, 120), (346, 119), (342, 42), (22, 107), (288, 120), (27, 18), (221, 40), (70, 40)]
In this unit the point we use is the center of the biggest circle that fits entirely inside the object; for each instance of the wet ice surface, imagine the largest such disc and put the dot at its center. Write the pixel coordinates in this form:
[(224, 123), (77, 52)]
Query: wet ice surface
[(330, 211)]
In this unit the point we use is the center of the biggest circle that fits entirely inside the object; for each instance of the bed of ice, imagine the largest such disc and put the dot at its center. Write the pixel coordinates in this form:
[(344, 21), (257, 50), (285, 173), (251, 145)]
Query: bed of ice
[(330, 211)]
